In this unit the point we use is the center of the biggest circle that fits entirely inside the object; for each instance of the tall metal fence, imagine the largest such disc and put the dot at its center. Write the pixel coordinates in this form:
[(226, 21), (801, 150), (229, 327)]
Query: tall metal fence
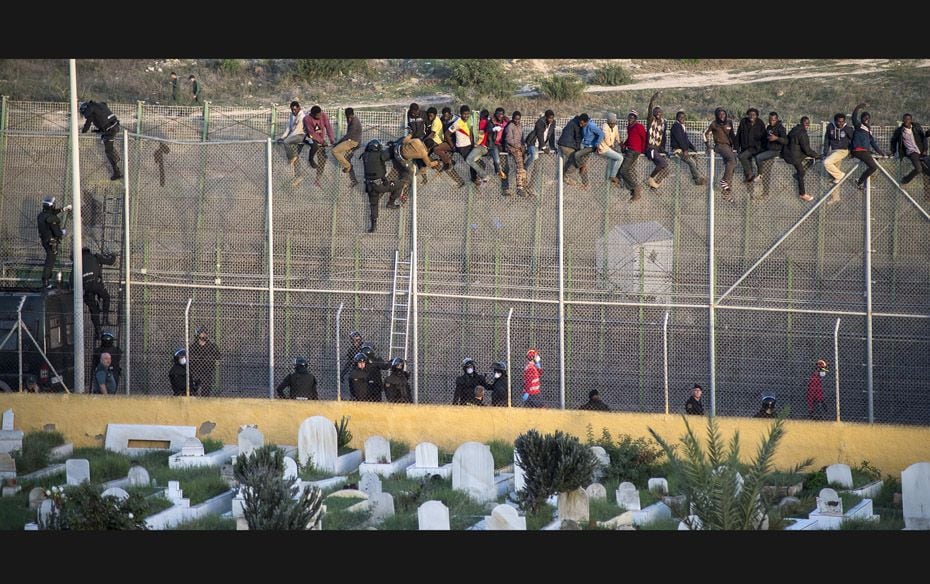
[(638, 300)]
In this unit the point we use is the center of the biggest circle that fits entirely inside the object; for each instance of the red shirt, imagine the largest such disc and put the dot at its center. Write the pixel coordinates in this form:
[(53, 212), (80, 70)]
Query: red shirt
[(814, 390), (636, 138), (531, 375)]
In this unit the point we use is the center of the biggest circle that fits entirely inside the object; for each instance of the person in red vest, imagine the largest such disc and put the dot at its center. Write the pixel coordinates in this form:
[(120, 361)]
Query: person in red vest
[(531, 375), (815, 407)]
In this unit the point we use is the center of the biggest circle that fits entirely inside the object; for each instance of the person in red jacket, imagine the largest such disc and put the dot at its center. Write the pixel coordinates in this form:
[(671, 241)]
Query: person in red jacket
[(815, 407), (634, 145), (531, 374)]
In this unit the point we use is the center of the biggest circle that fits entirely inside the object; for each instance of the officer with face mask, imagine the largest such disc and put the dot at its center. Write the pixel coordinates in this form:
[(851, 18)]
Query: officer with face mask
[(50, 233), (815, 406), (396, 387), (359, 380), (178, 373), (499, 385), (374, 367), (301, 382), (466, 383)]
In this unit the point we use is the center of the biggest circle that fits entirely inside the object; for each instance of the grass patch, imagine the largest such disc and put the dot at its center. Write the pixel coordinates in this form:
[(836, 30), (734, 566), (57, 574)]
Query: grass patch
[(197, 484), (445, 456), (849, 501), (36, 449), (893, 523), (338, 519), (664, 524), (400, 522), (785, 478), (211, 444), (603, 509), (309, 472), (398, 449), (540, 519), (207, 523), (156, 505), (105, 465), (15, 512), (501, 451), (647, 497)]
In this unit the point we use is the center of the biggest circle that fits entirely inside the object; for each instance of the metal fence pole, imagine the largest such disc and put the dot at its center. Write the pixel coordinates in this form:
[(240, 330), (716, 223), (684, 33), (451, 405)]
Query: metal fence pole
[(270, 226), (868, 297), (205, 129), (711, 277), (665, 357), (77, 265), (509, 370), (339, 352), (187, 336), (127, 336), (19, 339), (4, 113), (561, 289), (836, 365), (414, 260)]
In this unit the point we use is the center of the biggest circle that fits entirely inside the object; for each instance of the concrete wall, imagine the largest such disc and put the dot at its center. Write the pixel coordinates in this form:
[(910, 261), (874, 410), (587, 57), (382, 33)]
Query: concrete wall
[(83, 419)]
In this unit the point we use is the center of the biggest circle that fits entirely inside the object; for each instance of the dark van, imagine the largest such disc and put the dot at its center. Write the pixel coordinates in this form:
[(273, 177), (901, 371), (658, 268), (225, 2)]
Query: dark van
[(48, 314)]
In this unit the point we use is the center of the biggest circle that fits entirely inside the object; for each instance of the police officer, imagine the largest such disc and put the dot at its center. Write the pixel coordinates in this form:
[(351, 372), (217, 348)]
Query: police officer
[(108, 345), (94, 289), (396, 388), (301, 382), (178, 373), (359, 380), (376, 181), (105, 122), (355, 344), (466, 383), (767, 410), (499, 385), (50, 233), (375, 365)]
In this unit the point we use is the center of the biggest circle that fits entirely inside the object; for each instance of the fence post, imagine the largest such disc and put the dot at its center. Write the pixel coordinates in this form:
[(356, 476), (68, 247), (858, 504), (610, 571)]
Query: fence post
[(868, 297), (836, 365), (665, 357), (711, 280), (19, 339), (77, 265), (4, 114), (414, 261), (561, 185), (127, 336), (270, 227), (339, 352), (509, 370), (187, 336), (273, 122), (139, 104), (205, 129)]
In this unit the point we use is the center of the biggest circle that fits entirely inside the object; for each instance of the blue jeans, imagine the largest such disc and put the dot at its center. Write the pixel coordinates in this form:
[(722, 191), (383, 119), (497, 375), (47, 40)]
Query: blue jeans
[(615, 159)]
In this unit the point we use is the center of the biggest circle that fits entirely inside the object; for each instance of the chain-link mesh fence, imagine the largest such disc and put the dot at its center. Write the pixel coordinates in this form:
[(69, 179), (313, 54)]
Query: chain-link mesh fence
[(198, 229)]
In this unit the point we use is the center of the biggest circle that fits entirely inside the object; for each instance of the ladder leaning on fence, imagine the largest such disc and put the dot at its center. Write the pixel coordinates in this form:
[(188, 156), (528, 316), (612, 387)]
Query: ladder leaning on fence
[(400, 308)]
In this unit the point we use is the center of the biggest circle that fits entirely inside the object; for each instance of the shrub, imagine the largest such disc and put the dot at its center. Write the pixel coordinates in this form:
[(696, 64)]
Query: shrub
[(343, 435), (229, 65), (211, 445), (473, 79), (634, 460), (312, 69), (82, 508), (612, 75), (272, 502), (554, 463), (709, 481), (562, 87)]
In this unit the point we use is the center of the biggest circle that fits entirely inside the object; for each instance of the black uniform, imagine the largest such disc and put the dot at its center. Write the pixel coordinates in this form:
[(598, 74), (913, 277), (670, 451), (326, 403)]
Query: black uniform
[(95, 293), (178, 377), (375, 383), (361, 385), (499, 391), (765, 413), (106, 122), (116, 355), (376, 181), (396, 387), (694, 407), (465, 385), (49, 224), (349, 360), (203, 366), (302, 384), (594, 404)]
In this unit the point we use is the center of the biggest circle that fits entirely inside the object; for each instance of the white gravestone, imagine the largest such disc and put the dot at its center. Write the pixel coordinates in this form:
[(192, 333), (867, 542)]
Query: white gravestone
[(596, 491), (829, 503), (10, 439), (370, 484), (574, 506), (840, 474), (603, 461), (192, 447), (77, 471), (7, 420), (505, 518), (426, 455), (628, 497), (377, 450), (915, 495), (250, 438), (119, 437), (473, 471), (7, 466), (290, 468), (382, 507), (138, 476), (117, 492), (36, 496), (174, 494), (433, 516), (658, 485), (316, 441)]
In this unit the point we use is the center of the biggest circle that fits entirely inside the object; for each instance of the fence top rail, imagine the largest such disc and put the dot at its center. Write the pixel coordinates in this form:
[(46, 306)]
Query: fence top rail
[(170, 141)]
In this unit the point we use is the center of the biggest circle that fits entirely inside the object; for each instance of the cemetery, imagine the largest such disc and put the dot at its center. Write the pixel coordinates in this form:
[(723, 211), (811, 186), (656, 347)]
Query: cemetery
[(161, 477)]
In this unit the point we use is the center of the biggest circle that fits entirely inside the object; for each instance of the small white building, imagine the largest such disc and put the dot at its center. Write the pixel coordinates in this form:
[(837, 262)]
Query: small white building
[(638, 260)]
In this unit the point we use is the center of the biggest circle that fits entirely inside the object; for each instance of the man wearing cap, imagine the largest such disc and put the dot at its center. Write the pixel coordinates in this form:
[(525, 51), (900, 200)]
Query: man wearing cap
[(532, 373), (815, 407), (694, 407), (634, 145), (610, 147), (656, 147), (203, 355), (594, 402)]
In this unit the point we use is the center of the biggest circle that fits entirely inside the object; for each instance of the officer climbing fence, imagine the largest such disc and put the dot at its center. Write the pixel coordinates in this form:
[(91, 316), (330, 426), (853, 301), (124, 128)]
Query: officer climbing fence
[(637, 300)]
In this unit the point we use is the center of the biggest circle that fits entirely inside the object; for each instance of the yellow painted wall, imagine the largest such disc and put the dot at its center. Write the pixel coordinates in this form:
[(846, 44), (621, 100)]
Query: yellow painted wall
[(83, 419)]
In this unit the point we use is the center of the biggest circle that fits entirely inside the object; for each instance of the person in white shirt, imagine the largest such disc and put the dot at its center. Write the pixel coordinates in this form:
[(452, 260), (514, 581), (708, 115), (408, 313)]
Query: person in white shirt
[(293, 136)]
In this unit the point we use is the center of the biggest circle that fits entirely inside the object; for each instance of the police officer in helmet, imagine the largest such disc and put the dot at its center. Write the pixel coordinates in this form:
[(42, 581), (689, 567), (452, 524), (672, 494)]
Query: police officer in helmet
[(178, 373), (466, 383), (50, 233), (376, 182), (358, 378), (96, 296), (375, 366), (107, 124), (301, 382), (767, 410), (499, 385), (108, 345), (396, 387)]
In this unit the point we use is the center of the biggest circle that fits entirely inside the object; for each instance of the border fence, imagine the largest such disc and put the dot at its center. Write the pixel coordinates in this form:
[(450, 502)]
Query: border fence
[(637, 300)]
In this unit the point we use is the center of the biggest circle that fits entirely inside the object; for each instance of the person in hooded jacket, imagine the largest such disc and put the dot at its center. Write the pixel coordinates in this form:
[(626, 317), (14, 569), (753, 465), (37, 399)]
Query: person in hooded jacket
[(301, 382), (396, 386), (466, 383), (178, 373)]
